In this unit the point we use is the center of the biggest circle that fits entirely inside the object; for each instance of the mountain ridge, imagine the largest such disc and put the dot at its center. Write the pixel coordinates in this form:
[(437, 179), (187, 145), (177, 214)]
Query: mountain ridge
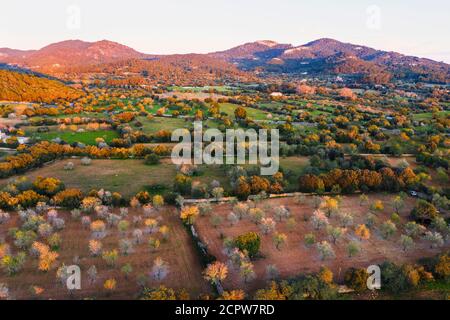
[(323, 56)]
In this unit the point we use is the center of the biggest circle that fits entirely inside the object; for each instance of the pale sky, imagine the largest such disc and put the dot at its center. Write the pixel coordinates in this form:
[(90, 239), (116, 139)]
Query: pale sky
[(415, 27)]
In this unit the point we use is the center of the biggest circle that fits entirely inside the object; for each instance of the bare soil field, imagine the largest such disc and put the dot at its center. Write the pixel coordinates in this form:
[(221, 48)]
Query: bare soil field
[(295, 258), (185, 271)]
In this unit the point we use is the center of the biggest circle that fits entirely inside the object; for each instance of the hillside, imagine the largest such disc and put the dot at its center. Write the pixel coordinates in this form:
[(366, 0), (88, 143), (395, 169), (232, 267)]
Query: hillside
[(57, 57), (15, 86)]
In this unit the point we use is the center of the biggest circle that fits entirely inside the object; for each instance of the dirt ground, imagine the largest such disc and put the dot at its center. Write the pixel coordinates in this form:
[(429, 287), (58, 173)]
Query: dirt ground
[(295, 258), (185, 271)]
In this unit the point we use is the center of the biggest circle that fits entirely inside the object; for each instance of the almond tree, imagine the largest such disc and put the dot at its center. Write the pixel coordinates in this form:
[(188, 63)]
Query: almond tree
[(435, 238), (353, 249), (325, 250), (160, 269), (281, 213), (92, 274), (246, 270), (241, 210), (272, 272), (319, 220), (407, 242), (388, 229), (335, 233), (279, 239), (267, 225)]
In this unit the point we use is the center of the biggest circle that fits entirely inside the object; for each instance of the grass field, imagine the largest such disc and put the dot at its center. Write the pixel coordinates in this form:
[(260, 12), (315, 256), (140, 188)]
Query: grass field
[(125, 176), (252, 113), (159, 123), (87, 137), (429, 115)]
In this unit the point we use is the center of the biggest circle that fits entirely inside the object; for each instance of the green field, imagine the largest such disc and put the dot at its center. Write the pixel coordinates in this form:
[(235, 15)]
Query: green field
[(252, 113), (87, 137), (429, 115)]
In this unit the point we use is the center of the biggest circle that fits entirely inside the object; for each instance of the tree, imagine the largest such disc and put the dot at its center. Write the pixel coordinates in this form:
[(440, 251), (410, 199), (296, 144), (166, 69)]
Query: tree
[(217, 193), (160, 269), (232, 218), (325, 250), (240, 113), (267, 225), (110, 257), (377, 206), (330, 205), (249, 242), (291, 223), (233, 295), (424, 212), (335, 232), (158, 201), (407, 242), (363, 199), (435, 238), (442, 267), (241, 210), (127, 269), (281, 213), (319, 220), (256, 215), (414, 229), (388, 229), (272, 272), (216, 220), (353, 248), (110, 284), (279, 239), (189, 214), (246, 271), (216, 272), (95, 247), (309, 239), (398, 203)]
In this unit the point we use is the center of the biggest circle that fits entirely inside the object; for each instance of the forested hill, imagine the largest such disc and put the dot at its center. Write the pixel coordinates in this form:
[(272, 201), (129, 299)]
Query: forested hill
[(15, 86)]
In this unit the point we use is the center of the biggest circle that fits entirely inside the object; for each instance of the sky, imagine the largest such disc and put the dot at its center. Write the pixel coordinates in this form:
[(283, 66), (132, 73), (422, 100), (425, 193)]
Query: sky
[(414, 27)]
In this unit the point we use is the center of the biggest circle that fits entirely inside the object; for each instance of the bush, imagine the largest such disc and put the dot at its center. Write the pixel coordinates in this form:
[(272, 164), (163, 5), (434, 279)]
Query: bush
[(152, 159), (249, 242)]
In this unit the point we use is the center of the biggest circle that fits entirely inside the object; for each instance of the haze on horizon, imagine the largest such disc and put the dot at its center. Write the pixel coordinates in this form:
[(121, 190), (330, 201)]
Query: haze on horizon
[(411, 27)]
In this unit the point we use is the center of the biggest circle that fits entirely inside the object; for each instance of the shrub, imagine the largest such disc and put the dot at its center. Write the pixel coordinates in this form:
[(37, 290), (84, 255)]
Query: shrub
[(249, 242), (152, 159), (86, 161)]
